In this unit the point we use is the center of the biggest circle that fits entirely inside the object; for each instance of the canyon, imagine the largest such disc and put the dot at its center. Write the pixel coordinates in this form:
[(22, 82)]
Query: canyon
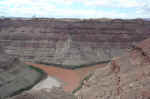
[(21, 81), (114, 58), (125, 77), (70, 43)]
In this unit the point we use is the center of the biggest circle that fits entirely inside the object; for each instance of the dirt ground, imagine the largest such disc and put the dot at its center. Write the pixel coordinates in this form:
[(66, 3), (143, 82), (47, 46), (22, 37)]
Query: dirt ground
[(71, 78)]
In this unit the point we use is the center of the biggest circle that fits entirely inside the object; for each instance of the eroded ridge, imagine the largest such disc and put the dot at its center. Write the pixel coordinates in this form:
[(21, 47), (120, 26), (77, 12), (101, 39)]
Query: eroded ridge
[(126, 77)]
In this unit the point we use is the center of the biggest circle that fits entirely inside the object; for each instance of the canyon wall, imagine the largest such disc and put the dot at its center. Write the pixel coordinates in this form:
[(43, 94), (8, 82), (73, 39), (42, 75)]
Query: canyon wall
[(16, 76), (70, 41), (125, 77)]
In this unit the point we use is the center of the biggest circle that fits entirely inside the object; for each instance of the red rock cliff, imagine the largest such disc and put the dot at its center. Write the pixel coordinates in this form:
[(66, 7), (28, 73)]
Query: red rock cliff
[(70, 42)]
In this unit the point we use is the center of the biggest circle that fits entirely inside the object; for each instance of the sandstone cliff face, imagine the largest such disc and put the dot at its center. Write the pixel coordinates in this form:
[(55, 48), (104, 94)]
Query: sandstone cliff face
[(15, 76), (126, 77), (70, 42)]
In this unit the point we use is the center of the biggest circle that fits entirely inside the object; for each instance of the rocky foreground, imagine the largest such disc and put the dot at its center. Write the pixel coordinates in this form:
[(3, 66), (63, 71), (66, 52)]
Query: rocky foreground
[(126, 77), (70, 42), (55, 93)]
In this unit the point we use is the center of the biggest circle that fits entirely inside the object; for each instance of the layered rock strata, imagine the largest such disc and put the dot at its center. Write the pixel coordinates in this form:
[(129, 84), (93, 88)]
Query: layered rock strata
[(70, 41)]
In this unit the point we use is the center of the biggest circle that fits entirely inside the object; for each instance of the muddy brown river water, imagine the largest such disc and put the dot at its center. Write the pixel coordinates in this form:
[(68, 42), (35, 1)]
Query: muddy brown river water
[(71, 78)]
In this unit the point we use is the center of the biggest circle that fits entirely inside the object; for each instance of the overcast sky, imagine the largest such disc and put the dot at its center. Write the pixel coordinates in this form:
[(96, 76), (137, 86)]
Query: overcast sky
[(76, 8)]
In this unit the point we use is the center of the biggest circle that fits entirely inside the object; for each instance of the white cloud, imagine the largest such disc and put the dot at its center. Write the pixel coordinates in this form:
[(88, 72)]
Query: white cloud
[(49, 8), (28, 7), (113, 3), (88, 13)]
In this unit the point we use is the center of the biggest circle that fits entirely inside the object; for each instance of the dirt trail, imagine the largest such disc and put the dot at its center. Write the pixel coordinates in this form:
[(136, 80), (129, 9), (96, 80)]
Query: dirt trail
[(72, 78)]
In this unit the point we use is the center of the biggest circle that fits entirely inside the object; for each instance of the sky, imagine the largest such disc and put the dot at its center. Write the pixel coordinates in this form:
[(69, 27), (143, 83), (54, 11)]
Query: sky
[(76, 8)]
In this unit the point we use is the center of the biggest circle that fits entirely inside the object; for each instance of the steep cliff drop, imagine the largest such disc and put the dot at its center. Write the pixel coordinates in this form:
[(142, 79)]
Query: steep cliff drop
[(72, 42), (16, 76), (125, 77)]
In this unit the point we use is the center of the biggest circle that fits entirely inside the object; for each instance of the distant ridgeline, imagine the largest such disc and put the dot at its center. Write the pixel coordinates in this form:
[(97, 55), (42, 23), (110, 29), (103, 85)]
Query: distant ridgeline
[(70, 42)]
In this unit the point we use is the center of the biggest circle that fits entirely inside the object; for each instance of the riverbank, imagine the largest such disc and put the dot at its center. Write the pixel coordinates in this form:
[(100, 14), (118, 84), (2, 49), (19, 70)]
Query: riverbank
[(71, 78)]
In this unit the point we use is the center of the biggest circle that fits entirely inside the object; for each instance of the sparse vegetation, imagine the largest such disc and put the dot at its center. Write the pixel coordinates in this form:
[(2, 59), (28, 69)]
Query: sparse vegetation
[(73, 66), (82, 83)]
